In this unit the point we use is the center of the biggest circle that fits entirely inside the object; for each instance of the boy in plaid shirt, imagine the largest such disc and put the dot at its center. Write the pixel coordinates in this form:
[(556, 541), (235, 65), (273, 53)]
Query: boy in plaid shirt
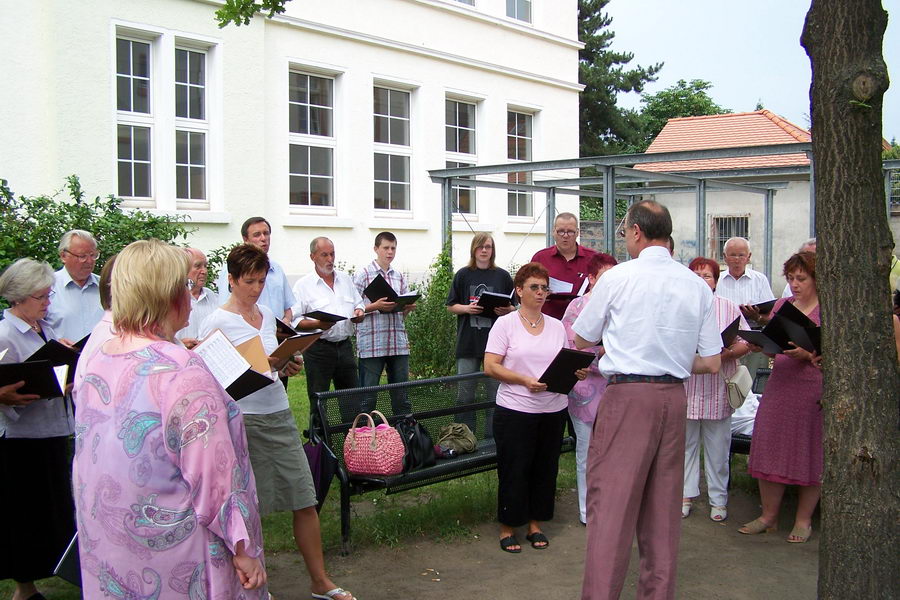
[(381, 339)]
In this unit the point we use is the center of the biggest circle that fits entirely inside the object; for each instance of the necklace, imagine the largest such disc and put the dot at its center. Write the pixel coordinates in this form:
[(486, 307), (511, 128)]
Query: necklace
[(534, 324)]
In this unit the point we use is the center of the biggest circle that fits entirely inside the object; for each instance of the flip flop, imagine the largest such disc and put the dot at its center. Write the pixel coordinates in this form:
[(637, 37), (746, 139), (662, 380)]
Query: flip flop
[(538, 538), (331, 594), (508, 541)]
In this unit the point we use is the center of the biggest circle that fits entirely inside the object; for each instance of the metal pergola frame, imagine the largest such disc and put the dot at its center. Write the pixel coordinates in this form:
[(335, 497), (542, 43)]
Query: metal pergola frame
[(621, 168)]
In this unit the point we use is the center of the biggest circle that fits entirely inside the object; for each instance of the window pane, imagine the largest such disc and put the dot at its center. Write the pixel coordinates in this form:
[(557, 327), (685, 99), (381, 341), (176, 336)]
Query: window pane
[(141, 143), (510, 123), (181, 149), (196, 102), (525, 10), (399, 196), (399, 104), (320, 121), (299, 191), (142, 180), (381, 101), (381, 129), (466, 115), (198, 68), (297, 91), (399, 132), (198, 149), (464, 202), (399, 168), (381, 166), (181, 66), (320, 161), (522, 149), (124, 178), (181, 101), (123, 93), (124, 142), (299, 159), (198, 183), (123, 57), (450, 139), (511, 12), (464, 141), (381, 195), (525, 125), (141, 96), (320, 91), (450, 112), (140, 55), (297, 117), (511, 147), (182, 189), (320, 191)]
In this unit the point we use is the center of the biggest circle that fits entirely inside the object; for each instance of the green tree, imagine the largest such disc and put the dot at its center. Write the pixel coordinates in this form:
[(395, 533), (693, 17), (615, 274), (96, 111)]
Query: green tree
[(605, 127), (240, 12), (431, 327), (684, 99)]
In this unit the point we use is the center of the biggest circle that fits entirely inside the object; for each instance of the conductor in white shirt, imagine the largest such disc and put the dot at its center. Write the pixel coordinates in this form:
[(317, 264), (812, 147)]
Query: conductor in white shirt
[(76, 302), (657, 323), (330, 359)]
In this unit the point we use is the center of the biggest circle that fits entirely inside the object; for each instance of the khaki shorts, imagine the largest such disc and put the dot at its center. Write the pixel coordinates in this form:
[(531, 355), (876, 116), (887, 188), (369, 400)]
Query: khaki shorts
[(283, 479)]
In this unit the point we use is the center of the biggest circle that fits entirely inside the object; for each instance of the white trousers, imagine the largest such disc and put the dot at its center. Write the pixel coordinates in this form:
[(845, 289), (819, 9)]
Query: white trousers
[(582, 441), (716, 436)]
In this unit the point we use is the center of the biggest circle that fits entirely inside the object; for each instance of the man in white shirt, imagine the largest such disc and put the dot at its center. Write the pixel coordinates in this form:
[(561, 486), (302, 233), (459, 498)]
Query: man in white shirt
[(330, 358), (203, 300), (657, 322), (741, 284), (807, 246), (75, 308), (277, 292)]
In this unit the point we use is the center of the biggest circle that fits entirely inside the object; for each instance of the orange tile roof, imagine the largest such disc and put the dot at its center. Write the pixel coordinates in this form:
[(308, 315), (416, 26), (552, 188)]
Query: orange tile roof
[(737, 130)]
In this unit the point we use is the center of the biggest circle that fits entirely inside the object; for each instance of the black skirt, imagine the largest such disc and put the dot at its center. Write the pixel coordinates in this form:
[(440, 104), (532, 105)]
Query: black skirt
[(36, 504)]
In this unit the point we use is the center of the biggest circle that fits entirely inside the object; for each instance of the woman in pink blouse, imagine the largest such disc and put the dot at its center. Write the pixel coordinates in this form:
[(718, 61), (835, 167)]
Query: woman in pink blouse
[(528, 420), (165, 497), (585, 396), (708, 411)]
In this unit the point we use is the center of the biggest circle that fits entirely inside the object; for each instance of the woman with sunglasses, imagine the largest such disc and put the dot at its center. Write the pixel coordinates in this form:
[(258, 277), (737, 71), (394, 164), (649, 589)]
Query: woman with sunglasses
[(529, 420), (34, 441)]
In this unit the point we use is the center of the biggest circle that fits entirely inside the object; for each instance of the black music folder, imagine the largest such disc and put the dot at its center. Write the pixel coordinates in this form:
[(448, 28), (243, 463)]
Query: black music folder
[(764, 307), (729, 334), (321, 315), (294, 344), (560, 374), (59, 354), (491, 300), (776, 336), (38, 375), (248, 382), (380, 288)]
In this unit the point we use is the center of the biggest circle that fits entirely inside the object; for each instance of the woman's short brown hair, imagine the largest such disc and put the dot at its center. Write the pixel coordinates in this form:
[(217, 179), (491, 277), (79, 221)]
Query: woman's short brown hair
[(149, 279), (529, 270), (802, 261), (245, 259)]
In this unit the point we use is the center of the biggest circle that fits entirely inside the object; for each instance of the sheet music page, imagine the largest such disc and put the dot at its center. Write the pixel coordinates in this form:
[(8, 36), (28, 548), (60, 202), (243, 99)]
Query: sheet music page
[(583, 287), (61, 372), (560, 287), (224, 362), (3, 353)]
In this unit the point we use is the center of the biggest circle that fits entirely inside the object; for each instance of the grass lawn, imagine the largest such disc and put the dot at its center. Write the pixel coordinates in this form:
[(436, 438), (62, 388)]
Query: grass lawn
[(442, 511)]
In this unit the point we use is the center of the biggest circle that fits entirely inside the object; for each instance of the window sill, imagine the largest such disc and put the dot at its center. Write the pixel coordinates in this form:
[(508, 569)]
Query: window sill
[(318, 221), (193, 216), (462, 226), (380, 222)]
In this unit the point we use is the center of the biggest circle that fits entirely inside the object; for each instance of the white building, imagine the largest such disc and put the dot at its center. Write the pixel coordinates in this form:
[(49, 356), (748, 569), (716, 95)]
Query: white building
[(324, 120)]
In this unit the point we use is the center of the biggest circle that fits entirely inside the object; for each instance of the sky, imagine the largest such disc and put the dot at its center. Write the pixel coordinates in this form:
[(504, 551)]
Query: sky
[(749, 51)]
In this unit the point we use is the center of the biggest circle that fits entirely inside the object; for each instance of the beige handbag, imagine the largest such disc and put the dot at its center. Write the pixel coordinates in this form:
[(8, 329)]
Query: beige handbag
[(738, 386)]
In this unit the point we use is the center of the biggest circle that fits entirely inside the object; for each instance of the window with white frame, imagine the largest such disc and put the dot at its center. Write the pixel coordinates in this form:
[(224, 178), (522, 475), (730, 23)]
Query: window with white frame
[(518, 147), (312, 141), (724, 227), (391, 112), (460, 127), (162, 120), (519, 9), (469, 2), (462, 197)]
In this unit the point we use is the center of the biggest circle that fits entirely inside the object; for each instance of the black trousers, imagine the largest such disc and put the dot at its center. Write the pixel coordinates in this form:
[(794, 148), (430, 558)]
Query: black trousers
[(528, 447), (326, 363)]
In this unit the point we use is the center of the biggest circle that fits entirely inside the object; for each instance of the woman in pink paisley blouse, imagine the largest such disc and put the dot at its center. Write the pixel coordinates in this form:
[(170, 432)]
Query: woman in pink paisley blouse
[(165, 497)]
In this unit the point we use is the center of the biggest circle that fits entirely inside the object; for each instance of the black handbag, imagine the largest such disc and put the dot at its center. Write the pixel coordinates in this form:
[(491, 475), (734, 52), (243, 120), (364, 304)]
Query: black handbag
[(418, 443)]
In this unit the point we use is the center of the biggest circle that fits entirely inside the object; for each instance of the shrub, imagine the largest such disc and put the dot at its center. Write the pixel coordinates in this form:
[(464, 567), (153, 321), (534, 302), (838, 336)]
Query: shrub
[(431, 327)]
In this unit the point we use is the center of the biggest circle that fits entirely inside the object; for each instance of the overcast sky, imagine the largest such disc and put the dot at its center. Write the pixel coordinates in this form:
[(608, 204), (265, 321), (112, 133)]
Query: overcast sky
[(749, 51)]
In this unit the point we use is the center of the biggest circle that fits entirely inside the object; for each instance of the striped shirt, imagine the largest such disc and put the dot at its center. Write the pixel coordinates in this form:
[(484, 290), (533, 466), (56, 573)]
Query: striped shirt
[(381, 334), (706, 397)]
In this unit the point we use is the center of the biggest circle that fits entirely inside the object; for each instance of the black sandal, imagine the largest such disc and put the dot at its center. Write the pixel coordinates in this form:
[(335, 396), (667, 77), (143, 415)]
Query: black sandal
[(507, 543), (538, 538)]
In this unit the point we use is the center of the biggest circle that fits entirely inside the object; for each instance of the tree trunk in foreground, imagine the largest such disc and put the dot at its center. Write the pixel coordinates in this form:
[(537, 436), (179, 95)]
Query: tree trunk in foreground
[(861, 488)]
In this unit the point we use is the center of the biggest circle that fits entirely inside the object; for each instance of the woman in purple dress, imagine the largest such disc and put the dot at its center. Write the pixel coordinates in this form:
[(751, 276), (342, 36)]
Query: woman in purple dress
[(165, 497), (787, 436)]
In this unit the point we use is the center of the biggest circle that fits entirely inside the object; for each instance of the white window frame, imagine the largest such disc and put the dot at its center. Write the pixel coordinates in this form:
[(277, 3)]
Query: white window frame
[(314, 140), (529, 196), (529, 4), (193, 126), (403, 150), (163, 122)]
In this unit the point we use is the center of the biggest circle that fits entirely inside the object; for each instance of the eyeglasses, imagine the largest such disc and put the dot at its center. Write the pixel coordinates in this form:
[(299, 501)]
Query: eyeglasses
[(566, 232), (536, 286), (190, 284), (485, 247), (84, 257), (43, 297)]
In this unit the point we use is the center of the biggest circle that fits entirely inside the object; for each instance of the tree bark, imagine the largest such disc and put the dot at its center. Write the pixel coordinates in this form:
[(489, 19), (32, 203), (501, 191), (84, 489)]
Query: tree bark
[(861, 488)]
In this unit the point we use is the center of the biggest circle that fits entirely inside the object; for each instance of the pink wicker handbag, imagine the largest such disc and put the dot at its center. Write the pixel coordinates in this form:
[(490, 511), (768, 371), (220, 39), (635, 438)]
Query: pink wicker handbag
[(371, 450)]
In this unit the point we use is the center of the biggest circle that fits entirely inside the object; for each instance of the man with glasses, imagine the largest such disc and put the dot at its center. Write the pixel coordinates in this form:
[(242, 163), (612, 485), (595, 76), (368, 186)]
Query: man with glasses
[(566, 261), (75, 309)]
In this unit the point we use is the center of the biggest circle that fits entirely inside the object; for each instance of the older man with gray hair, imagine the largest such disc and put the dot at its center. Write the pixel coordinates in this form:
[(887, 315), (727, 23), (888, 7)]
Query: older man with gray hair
[(76, 288), (203, 300)]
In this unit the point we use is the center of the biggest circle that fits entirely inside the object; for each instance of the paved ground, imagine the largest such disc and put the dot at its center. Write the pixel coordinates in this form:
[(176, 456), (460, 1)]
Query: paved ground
[(715, 562)]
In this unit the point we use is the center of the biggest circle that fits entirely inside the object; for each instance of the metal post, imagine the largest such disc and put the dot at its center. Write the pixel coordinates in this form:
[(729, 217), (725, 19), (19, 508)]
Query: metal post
[(812, 197), (768, 212), (550, 215), (701, 217), (887, 192), (447, 217), (609, 208)]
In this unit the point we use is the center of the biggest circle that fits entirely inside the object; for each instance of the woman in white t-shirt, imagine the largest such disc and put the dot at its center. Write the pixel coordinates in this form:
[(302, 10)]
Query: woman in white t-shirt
[(284, 481), (529, 420)]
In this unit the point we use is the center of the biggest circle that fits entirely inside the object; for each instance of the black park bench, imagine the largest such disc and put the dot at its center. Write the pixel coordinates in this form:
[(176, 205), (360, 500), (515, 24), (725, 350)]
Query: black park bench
[(434, 404)]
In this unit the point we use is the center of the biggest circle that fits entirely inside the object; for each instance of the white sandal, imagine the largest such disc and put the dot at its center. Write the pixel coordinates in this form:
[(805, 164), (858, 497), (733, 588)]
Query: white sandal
[(331, 594), (718, 513), (686, 506)]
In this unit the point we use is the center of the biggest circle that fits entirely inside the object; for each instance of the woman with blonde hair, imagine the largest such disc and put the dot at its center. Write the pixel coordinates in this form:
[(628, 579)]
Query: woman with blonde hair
[(165, 496)]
